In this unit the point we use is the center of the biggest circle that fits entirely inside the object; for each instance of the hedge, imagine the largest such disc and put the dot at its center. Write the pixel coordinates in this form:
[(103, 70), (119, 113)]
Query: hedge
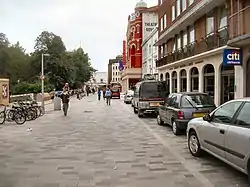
[(26, 88)]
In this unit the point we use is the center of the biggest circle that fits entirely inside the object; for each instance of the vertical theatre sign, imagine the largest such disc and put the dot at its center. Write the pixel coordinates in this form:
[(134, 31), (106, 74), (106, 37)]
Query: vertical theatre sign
[(124, 52), (232, 57), (4, 92)]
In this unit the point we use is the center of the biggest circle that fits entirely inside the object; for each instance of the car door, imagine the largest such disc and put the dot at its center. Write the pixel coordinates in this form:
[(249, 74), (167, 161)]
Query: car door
[(212, 134), (163, 109), (170, 109), (237, 139)]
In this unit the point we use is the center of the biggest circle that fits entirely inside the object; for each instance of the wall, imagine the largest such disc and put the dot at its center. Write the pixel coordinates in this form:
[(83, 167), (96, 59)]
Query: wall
[(116, 73), (101, 75), (149, 22)]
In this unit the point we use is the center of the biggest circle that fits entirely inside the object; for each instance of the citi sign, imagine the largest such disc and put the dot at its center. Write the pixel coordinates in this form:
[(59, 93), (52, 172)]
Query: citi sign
[(232, 57)]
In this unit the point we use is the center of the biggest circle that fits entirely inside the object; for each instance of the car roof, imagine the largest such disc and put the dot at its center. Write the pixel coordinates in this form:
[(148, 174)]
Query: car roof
[(241, 99), (191, 93)]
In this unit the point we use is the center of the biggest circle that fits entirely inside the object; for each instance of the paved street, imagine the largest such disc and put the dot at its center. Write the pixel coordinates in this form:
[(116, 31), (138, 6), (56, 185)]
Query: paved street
[(100, 145)]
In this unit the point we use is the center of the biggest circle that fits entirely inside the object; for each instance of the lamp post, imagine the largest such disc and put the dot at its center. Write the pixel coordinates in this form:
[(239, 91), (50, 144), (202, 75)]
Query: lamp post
[(42, 78)]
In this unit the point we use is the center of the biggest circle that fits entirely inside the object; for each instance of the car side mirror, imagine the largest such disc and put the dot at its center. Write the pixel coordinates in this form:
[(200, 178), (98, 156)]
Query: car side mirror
[(207, 118)]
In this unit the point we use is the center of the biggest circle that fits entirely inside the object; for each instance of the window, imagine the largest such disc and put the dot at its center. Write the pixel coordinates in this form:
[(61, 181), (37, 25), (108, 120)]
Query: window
[(174, 45), (165, 20), (115, 67), (210, 23), (199, 100), (243, 117), (222, 17), (184, 5), (138, 28), (173, 13), (165, 49), (162, 23), (226, 112), (190, 2), (161, 51), (191, 35), (185, 42), (178, 8), (179, 42)]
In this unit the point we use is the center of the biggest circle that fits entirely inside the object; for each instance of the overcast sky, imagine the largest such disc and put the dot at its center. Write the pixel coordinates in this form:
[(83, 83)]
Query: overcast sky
[(99, 25)]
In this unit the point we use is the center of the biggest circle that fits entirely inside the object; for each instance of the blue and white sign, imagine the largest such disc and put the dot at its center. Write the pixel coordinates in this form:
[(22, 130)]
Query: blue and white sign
[(232, 57)]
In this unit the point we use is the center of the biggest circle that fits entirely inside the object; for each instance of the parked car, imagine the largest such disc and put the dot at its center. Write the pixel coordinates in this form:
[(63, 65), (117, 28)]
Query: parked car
[(180, 108), (115, 93), (147, 96), (128, 96), (224, 133)]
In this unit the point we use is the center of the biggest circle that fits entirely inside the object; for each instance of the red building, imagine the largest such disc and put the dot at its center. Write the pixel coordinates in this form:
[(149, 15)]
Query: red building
[(133, 72)]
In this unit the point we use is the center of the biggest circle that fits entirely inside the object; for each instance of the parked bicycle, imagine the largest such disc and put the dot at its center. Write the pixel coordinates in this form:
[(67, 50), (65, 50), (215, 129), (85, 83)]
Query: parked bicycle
[(12, 115)]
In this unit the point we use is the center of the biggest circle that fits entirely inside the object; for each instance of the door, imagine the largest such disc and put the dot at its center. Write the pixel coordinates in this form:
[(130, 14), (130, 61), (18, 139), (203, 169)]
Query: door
[(237, 139), (163, 109), (227, 92), (213, 133), (171, 109)]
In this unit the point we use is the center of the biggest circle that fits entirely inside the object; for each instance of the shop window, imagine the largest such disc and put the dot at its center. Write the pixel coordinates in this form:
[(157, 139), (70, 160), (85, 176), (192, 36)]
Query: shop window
[(173, 12)]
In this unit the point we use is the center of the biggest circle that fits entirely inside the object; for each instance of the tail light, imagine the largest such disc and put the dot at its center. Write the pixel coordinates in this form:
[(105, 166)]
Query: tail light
[(180, 115)]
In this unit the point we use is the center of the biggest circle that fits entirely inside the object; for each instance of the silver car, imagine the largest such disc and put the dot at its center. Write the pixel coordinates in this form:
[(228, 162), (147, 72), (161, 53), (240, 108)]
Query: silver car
[(128, 96), (224, 133)]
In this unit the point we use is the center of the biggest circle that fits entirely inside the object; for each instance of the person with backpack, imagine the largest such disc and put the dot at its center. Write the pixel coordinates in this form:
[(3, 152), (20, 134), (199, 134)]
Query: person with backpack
[(108, 95), (65, 101)]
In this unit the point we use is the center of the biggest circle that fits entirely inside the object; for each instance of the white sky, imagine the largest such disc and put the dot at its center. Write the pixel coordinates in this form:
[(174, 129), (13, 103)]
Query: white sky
[(99, 25)]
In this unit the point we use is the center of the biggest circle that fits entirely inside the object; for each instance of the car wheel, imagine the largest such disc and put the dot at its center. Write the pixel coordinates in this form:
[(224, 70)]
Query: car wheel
[(194, 144), (135, 111), (159, 121), (140, 113), (175, 128)]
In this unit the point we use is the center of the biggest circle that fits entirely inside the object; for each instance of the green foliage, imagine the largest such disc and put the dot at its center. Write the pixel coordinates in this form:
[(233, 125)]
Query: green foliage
[(61, 66)]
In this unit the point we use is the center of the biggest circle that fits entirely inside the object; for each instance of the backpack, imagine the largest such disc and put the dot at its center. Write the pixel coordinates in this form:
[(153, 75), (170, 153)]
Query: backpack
[(108, 93)]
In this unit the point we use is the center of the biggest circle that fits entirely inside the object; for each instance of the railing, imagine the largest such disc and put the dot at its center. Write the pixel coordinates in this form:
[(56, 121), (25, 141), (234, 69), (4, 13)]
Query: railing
[(207, 43), (239, 23)]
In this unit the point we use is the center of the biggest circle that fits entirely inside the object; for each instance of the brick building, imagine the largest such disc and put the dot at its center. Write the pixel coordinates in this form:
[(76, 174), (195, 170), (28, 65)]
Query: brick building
[(114, 74), (192, 37), (136, 30)]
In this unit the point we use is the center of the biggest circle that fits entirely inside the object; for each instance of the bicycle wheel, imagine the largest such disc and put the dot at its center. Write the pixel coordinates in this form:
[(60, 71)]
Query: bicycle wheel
[(19, 117), (30, 114), (2, 117), (38, 112)]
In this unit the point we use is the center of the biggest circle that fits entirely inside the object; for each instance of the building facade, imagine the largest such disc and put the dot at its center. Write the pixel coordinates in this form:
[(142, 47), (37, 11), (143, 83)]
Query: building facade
[(192, 37), (150, 53), (114, 75), (134, 36)]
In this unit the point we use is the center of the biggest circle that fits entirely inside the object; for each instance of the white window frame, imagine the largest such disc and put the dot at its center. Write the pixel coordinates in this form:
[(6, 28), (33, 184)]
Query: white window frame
[(165, 20), (178, 8), (191, 36), (162, 24), (210, 25), (184, 5), (190, 2), (173, 12)]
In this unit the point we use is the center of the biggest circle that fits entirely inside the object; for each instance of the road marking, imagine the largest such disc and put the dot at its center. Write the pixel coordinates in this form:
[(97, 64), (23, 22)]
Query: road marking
[(204, 180)]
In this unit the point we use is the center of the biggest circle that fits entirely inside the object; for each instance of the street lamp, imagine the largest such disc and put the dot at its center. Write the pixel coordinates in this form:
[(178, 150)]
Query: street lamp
[(42, 78)]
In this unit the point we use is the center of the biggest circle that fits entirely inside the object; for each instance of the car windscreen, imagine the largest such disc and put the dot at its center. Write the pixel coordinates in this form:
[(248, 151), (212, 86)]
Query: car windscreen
[(152, 90), (197, 100)]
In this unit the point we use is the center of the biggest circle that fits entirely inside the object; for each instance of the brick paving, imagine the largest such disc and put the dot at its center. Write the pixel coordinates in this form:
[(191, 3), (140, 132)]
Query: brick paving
[(100, 145)]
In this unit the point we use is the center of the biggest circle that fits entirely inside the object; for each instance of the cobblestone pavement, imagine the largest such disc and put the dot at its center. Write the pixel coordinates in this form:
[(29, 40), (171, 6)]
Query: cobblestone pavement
[(100, 145)]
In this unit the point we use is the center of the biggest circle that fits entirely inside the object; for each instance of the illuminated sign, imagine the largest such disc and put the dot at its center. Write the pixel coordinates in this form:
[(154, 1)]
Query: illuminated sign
[(232, 57)]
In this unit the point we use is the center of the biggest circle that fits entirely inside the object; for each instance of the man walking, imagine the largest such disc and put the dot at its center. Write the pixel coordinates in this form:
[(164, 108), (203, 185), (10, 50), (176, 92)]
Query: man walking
[(65, 101), (99, 94), (108, 96)]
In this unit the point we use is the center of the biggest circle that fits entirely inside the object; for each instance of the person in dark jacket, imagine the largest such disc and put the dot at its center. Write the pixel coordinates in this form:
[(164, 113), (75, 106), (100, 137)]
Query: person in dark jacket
[(99, 94), (65, 101)]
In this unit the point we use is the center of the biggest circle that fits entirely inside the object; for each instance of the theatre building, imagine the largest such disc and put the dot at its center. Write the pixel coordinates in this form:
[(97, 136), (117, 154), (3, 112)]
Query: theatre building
[(193, 37), (140, 24)]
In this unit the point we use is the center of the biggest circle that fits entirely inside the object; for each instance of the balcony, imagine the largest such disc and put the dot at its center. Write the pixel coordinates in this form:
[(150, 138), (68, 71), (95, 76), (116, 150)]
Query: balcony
[(207, 43), (188, 18), (131, 73), (239, 28)]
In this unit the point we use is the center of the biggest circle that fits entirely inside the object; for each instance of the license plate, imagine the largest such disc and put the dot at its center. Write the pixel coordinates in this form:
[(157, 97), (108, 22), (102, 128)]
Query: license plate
[(154, 104), (198, 115)]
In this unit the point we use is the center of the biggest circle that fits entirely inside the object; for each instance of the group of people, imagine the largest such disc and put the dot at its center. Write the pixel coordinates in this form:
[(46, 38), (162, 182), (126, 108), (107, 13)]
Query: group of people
[(106, 94)]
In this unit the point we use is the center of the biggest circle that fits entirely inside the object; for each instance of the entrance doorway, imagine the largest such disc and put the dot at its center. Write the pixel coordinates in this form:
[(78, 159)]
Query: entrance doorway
[(167, 81), (194, 79), (227, 83), (209, 79), (174, 82), (183, 80)]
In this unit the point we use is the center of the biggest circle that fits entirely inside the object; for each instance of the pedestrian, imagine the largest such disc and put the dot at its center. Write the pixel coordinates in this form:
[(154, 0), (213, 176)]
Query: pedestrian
[(65, 101), (103, 93), (99, 94), (108, 96)]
